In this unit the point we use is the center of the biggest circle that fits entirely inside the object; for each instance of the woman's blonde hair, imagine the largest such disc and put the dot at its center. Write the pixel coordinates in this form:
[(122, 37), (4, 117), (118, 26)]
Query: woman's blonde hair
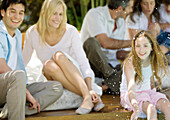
[(49, 7), (157, 60)]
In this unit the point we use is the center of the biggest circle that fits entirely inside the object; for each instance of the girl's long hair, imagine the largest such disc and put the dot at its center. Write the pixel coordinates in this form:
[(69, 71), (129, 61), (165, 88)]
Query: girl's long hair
[(158, 60), (49, 7)]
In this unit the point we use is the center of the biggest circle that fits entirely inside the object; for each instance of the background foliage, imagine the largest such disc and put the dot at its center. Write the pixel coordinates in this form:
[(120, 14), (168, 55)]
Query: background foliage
[(76, 10)]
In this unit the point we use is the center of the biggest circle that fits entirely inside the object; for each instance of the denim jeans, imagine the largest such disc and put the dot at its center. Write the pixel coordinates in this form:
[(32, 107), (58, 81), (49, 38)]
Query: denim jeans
[(164, 39)]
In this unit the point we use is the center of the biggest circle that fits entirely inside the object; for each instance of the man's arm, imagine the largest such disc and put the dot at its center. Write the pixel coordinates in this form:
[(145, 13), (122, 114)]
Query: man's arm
[(109, 43), (3, 66)]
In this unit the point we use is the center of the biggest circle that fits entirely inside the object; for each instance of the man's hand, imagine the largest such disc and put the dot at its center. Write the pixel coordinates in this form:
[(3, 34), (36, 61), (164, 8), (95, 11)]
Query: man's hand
[(33, 103), (94, 96)]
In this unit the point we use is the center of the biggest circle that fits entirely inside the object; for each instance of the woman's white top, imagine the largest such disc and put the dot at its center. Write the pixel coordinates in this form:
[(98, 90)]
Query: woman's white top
[(141, 22), (145, 85), (70, 44), (165, 17)]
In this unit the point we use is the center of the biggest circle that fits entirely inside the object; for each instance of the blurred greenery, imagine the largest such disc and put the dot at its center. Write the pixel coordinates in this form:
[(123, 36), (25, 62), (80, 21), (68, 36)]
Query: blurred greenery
[(76, 10)]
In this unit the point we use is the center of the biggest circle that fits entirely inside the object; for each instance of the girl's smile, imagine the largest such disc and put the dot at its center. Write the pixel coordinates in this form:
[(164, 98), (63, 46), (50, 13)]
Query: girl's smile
[(143, 47)]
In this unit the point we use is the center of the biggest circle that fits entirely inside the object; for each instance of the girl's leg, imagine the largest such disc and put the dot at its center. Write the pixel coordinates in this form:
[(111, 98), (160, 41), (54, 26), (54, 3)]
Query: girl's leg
[(164, 106), (62, 70), (53, 73), (150, 110)]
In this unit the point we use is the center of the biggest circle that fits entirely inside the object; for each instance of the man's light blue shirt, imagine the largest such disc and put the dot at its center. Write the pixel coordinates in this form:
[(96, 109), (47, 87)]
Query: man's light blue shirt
[(5, 47)]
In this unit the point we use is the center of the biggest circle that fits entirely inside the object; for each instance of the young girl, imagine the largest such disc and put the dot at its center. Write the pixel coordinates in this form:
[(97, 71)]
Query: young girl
[(138, 92)]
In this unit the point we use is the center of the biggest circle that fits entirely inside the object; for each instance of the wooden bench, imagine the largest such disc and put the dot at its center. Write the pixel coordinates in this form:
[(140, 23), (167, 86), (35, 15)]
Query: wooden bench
[(112, 111)]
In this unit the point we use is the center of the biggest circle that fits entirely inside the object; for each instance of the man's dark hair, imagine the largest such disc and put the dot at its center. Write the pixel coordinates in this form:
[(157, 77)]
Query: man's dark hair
[(114, 4), (6, 3)]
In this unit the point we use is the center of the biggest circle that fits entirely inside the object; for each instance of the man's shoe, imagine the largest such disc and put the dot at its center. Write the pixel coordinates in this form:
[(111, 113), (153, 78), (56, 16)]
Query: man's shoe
[(4, 112), (113, 82)]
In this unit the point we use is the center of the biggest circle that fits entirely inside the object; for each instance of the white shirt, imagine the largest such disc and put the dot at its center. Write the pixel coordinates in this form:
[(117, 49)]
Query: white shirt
[(97, 21), (141, 22), (13, 55), (145, 85), (70, 44), (165, 17)]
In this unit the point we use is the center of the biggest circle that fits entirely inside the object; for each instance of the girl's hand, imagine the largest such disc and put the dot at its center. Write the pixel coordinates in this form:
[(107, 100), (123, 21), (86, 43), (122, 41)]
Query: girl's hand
[(94, 96), (135, 113)]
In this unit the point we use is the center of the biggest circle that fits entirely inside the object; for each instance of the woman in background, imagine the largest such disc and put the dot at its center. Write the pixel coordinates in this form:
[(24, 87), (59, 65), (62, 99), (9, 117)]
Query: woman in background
[(145, 16)]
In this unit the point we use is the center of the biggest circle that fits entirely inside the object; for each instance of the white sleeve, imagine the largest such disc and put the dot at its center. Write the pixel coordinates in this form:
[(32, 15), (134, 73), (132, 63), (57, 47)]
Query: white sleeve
[(80, 55), (28, 47), (141, 22)]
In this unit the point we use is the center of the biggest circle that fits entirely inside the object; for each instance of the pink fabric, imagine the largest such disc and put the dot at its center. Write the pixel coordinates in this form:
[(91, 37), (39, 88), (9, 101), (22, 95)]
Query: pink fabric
[(150, 95)]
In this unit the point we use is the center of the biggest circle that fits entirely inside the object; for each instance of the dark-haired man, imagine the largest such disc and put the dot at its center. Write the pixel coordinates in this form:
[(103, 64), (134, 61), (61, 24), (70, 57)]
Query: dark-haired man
[(13, 90), (103, 33)]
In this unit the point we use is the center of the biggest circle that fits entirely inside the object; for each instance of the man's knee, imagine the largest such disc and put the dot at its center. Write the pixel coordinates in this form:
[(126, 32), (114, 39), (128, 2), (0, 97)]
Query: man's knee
[(91, 43), (18, 77)]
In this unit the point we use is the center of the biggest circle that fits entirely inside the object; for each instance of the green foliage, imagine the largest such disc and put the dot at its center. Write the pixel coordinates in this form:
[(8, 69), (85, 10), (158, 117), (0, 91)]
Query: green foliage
[(76, 11)]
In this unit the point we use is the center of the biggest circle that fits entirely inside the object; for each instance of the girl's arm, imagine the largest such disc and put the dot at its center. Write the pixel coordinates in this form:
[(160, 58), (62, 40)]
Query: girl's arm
[(82, 60), (88, 82), (93, 94), (130, 76), (28, 48)]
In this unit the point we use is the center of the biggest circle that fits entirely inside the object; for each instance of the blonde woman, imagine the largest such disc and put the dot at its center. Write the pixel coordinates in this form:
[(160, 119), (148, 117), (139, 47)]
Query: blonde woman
[(141, 68), (59, 48)]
